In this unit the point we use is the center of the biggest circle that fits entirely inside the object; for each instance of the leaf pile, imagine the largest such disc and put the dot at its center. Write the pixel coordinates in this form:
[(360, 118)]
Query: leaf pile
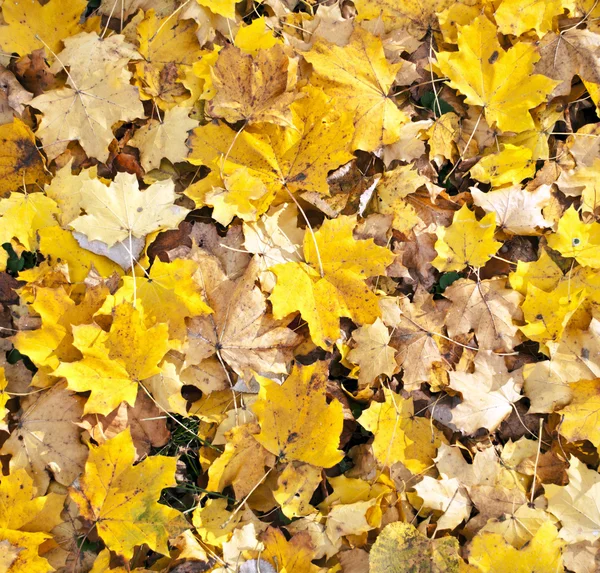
[(299, 286)]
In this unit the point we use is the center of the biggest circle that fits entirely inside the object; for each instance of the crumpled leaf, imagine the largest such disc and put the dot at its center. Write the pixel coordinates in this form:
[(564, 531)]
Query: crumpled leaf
[(148, 428), (415, 327), (164, 138), (447, 496), (169, 49), (415, 16), (372, 352), (242, 463), (488, 309), (572, 52), (574, 503), (276, 239)]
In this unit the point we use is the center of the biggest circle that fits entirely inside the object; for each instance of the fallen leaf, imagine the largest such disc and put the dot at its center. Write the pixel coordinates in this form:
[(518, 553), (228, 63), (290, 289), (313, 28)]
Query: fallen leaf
[(488, 394), (480, 68), (330, 284), (359, 78), (296, 422), (400, 436), (121, 499)]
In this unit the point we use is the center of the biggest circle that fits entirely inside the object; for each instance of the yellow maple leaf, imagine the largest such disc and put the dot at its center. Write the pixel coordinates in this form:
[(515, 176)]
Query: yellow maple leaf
[(372, 352), (415, 16), (548, 313), (293, 556), (543, 273), (576, 239), (225, 8), (490, 553), (238, 194), (169, 48), (168, 294), (120, 211), (511, 164), (52, 343), (20, 161), (400, 436), (360, 78), (26, 520), (242, 464), (121, 499), (392, 190), (65, 190), (114, 363), (23, 215), (295, 158), (339, 290), (443, 135), (581, 418), (31, 25), (515, 17), (466, 242), (256, 36), (59, 246), (296, 485), (499, 81), (86, 111), (164, 138), (295, 420), (214, 522)]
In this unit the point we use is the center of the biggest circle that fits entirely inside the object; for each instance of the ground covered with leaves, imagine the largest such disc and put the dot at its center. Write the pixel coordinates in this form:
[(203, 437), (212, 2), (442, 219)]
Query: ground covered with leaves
[(299, 286)]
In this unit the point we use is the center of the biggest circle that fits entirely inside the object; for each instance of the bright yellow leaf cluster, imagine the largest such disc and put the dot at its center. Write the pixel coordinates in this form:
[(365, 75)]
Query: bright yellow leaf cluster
[(299, 286)]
